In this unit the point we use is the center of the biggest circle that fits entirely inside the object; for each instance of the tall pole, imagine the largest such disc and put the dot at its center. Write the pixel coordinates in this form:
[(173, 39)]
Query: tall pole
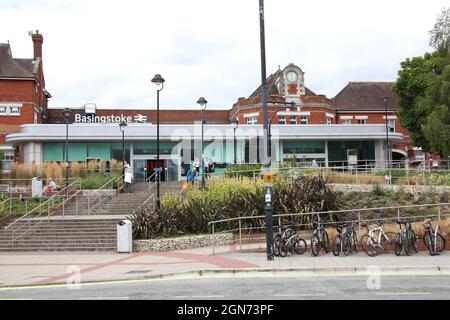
[(123, 153), (387, 135), (67, 153), (201, 157), (234, 145), (268, 197), (158, 200)]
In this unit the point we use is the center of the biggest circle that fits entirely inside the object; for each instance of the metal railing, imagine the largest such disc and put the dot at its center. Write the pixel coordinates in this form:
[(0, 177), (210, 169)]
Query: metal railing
[(152, 195), (440, 211), (100, 195), (51, 206)]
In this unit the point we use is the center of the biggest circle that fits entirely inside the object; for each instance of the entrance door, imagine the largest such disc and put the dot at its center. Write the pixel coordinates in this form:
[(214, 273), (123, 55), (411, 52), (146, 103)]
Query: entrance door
[(152, 164)]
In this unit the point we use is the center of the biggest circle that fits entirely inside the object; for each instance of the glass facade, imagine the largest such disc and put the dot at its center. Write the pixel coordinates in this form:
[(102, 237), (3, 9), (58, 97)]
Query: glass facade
[(337, 150), (80, 151), (303, 147)]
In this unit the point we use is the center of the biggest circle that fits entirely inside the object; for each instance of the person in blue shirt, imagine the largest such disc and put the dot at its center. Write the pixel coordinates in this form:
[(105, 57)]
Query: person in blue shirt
[(192, 175)]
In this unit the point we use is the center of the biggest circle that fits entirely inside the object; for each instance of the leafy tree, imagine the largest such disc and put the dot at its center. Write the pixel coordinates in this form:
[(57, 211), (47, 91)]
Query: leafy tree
[(440, 35), (423, 88)]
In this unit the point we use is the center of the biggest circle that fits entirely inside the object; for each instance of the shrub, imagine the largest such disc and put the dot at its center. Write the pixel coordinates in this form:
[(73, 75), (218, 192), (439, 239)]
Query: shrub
[(230, 198)]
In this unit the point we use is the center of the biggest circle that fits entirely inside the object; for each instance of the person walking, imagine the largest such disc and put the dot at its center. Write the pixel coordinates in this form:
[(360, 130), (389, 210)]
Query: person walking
[(128, 180), (192, 175)]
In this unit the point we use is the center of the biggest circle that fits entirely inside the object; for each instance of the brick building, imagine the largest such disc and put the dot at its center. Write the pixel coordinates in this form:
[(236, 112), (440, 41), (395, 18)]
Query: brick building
[(23, 97), (304, 125)]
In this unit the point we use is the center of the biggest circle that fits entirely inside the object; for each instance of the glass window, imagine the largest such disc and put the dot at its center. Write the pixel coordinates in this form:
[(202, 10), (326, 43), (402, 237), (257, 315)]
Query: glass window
[(346, 121), (391, 125), (329, 120), (14, 110), (252, 120), (361, 121), (293, 120), (8, 159), (303, 120), (282, 119)]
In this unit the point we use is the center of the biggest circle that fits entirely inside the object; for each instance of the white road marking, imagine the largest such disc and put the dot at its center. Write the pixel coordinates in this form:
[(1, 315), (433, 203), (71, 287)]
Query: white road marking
[(104, 298), (402, 293), (198, 297), (301, 295)]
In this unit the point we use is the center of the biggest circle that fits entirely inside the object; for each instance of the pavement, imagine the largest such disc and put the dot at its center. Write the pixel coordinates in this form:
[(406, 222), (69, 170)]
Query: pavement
[(49, 268)]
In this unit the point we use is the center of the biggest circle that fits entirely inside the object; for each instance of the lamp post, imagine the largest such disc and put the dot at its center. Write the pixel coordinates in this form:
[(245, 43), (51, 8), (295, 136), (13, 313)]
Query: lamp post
[(202, 102), (159, 82), (386, 99), (122, 126), (290, 105), (67, 113), (234, 124)]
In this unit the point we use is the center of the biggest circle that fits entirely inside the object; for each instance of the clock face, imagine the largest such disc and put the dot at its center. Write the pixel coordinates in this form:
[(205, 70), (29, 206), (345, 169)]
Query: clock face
[(292, 76)]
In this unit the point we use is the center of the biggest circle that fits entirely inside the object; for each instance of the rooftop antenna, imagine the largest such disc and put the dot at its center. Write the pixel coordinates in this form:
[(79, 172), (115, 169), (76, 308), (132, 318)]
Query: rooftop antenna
[(30, 33)]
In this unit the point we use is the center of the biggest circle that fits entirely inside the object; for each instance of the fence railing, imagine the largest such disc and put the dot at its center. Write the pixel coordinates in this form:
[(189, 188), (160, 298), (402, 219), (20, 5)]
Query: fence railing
[(51, 206), (409, 212)]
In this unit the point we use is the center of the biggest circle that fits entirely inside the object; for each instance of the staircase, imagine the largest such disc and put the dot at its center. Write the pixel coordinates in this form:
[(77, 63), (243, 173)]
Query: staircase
[(68, 234), (81, 229)]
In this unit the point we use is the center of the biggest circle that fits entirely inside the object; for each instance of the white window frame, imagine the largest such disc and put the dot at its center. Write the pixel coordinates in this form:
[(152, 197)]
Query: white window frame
[(292, 118), (8, 159), (252, 120), (304, 119), (281, 119), (329, 120), (11, 109), (361, 121), (391, 125), (346, 121)]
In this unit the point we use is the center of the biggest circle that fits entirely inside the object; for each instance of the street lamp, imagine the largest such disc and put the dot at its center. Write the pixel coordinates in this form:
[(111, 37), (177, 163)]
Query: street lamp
[(202, 102), (289, 105), (122, 126), (67, 113), (234, 124), (386, 99), (159, 82)]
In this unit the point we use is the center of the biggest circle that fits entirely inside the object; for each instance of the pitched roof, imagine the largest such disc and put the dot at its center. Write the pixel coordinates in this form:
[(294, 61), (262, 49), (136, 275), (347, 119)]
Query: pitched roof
[(15, 68), (272, 89), (366, 96)]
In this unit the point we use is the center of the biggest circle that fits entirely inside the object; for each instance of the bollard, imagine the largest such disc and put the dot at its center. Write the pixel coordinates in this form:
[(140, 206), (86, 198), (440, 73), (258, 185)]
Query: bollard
[(240, 235), (214, 243)]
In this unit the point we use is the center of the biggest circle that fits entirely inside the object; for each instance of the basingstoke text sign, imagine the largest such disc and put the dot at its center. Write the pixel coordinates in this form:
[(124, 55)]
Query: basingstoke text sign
[(109, 119)]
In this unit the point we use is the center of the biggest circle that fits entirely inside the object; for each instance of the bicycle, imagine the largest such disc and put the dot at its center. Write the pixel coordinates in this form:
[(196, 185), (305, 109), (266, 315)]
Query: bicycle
[(319, 239), (375, 241), (346, 240), (434, 240), (405, 239), (288, 240)]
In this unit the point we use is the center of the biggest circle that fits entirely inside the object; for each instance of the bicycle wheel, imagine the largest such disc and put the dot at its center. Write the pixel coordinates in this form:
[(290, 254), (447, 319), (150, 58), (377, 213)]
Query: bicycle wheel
[(407, 243), (300, 246), (326, 242), (369, 246), (315, 246), (387, 245), (337, 245), (427, 239), (276, 245), (413, 241), (398, 244), (440, 242), (346, 244), (283, 248)]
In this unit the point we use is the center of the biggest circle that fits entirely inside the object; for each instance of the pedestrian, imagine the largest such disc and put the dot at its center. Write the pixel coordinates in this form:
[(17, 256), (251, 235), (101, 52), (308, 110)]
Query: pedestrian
[(192, 175), (108, 168), (128, 180)]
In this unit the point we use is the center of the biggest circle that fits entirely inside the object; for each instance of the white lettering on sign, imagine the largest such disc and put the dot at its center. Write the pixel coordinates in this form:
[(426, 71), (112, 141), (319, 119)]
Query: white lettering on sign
[(109, 119)]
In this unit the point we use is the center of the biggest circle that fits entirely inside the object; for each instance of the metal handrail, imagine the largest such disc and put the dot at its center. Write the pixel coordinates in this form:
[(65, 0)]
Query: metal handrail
[(99, 195), (41, 205), (332, 211)]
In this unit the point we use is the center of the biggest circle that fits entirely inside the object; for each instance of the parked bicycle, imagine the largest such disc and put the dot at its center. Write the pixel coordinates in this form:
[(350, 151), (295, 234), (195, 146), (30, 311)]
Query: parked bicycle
[(433, 239), (345, 240), (376, 241), (319, 239), (406, 239), (288, 241)]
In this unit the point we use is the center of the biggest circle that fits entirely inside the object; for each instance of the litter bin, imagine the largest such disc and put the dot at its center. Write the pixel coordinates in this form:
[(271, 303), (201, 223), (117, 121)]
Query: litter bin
[(124, 236), (36, 187)]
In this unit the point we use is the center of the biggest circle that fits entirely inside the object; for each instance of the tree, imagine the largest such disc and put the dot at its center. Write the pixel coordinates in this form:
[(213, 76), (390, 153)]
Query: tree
[(440, 35), (423, 88)]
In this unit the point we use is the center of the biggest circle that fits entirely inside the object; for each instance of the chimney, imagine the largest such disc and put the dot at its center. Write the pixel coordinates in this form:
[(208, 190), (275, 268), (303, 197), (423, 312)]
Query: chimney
[(38, 39)]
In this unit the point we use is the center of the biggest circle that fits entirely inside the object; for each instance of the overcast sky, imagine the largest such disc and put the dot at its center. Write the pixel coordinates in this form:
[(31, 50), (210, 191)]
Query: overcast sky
[(106, 52)]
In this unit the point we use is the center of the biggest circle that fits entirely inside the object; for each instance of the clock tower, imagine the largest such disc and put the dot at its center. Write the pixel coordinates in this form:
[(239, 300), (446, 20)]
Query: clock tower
[(292, 83)]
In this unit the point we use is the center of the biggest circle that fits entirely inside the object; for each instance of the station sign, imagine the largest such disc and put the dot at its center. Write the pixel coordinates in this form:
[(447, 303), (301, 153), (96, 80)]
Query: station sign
[(92, 118)]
